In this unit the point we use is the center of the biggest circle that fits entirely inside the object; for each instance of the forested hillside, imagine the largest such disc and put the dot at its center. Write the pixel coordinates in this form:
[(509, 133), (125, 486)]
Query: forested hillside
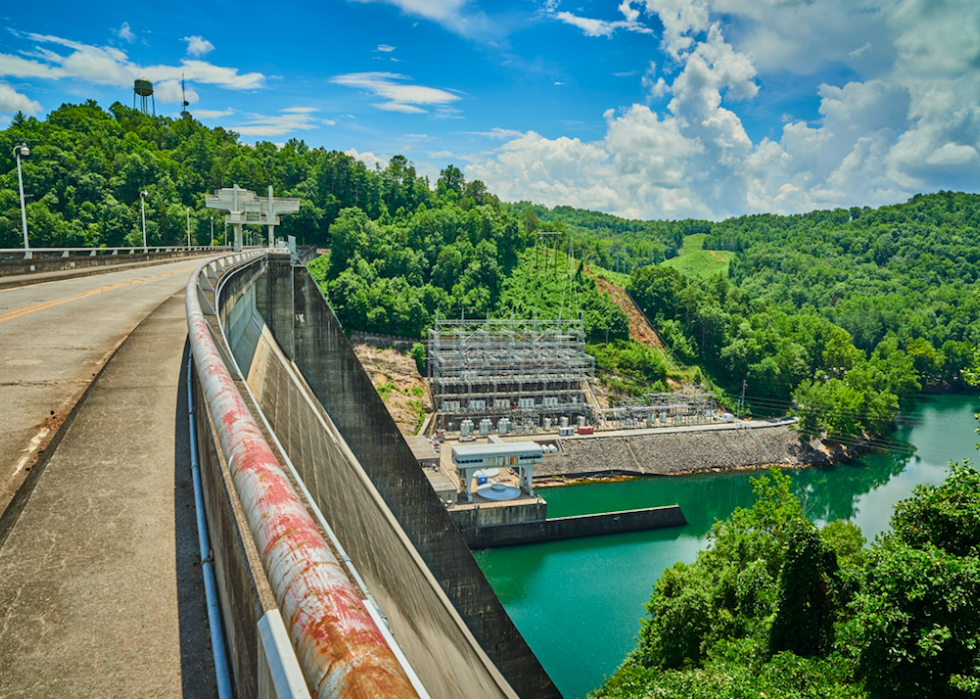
[(88, 165), (842, 316)]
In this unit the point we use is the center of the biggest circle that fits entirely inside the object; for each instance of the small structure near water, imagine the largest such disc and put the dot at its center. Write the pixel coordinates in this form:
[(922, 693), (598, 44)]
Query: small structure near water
[(519, 456)]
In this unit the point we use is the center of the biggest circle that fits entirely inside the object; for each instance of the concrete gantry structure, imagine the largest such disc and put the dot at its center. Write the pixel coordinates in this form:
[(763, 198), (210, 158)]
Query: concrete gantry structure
[(471, 459), (245, 206)]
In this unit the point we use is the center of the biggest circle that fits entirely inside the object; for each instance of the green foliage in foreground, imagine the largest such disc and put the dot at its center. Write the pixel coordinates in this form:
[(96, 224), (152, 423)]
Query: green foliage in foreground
[(775, 607)]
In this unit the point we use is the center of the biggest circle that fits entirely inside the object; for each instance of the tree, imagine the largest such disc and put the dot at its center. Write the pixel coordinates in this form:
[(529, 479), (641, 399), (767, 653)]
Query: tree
[(729, 591), (946, 515), (805, 610), (657, 291), (348, 237), (920, 621), (418, 354), (451, 177)]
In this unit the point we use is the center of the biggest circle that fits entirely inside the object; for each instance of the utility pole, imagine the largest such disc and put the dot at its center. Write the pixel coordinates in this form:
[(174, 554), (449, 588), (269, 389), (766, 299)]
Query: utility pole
[(741, 401), (143, 212), (20, 150)]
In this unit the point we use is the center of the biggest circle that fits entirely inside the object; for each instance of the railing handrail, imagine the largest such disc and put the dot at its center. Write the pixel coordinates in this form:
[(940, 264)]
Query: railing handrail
[(318, 602), (139, 248)]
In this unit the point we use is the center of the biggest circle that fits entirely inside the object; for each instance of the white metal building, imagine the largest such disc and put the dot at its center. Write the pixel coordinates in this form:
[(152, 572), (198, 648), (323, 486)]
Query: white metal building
[(520, 456)]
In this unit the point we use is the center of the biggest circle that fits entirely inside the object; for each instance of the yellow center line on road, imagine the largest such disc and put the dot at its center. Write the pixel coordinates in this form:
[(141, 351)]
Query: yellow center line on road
[(57, 302)]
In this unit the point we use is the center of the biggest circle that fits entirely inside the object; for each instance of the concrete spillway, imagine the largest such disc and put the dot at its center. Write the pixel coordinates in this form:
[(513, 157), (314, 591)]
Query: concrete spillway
[(333, 426)]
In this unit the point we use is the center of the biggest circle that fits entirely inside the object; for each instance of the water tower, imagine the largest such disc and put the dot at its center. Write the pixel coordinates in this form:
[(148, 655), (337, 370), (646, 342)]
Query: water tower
[(144, 88)]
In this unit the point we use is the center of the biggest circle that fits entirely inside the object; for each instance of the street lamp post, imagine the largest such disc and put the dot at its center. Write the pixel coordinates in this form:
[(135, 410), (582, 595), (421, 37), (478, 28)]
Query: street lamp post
[(188, 228), (22, 149), (143, 211), (212, 231)]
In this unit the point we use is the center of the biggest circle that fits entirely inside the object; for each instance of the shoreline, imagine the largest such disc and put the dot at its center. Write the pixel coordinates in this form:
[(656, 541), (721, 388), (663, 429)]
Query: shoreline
[(823, 455)]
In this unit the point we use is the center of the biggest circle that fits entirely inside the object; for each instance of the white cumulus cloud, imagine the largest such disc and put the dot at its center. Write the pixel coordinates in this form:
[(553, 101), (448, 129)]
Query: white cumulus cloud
[(107, 65), (601, 27), (907, 122), (213, 113), (125, 33), (288, 120), (12, 101), (454, 15), (169, 91), (368, 158), (198, 46)]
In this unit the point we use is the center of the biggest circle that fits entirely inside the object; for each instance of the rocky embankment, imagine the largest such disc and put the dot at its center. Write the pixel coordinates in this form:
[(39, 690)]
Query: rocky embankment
[(675, 453)]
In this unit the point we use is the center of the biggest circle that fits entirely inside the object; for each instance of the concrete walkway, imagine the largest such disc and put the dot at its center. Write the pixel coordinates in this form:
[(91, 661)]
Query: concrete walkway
[(100, 587)]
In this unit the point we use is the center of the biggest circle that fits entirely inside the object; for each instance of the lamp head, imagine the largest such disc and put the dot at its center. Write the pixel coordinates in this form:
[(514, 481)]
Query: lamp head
[(23, 150), (143, 193)]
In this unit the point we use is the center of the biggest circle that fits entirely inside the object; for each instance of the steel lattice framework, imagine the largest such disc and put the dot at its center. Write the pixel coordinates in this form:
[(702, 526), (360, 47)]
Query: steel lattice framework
[(518, 368)]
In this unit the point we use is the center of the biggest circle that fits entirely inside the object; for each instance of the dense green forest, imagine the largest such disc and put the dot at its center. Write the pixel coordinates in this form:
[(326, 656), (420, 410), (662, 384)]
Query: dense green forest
[(776, 607), (88, 165), (839, 316)]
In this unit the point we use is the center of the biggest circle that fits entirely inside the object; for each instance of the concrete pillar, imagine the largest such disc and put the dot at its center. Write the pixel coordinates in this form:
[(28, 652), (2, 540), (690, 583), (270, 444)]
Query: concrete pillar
[(274, 298)]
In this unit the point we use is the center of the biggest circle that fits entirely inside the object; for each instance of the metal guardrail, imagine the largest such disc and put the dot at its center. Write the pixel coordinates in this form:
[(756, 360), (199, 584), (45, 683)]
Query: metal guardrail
[(94, 252), (339, 647)]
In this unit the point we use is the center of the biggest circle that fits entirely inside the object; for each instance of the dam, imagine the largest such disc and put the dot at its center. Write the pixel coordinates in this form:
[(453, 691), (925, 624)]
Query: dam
[(344, 452)]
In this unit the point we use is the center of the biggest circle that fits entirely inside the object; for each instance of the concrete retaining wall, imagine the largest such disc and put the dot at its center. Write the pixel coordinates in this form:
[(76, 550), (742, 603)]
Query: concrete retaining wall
[(328, 364), (435, 640), (39, 265), (493, 514), (671, 453), (574, 527)]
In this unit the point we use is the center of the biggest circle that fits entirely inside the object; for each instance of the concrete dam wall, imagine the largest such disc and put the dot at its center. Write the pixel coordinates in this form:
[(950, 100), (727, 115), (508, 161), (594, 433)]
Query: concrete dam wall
[(330, 421), (529, 532)]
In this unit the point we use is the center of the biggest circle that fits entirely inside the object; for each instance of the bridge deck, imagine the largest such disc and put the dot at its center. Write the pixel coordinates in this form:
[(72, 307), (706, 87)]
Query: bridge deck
[(54, 338), (100, 590)]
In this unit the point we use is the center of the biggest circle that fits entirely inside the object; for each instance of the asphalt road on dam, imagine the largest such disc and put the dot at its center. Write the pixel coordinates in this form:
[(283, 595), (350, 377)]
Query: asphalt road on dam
[(54, 338)]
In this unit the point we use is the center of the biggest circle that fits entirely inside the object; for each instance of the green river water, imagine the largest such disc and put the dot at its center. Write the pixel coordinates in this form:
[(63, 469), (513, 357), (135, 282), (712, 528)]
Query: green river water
[(578, 603)]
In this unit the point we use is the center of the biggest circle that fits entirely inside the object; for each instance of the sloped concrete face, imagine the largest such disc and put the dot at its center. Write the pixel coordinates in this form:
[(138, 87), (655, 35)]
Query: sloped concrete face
[(435, 640), (327, 363)]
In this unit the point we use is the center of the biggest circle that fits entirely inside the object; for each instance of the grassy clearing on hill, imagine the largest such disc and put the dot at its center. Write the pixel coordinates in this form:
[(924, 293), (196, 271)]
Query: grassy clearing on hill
[(692, 261)]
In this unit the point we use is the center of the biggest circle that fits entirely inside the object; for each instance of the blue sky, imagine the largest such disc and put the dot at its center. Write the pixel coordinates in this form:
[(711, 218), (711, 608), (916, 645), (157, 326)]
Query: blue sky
[(649, 108)]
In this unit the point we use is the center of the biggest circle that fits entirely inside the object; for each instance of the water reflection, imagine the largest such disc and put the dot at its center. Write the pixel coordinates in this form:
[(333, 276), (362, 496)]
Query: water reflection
[(578, 602)]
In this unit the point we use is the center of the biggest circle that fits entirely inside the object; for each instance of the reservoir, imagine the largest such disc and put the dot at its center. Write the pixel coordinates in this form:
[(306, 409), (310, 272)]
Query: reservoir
[(578, 603)]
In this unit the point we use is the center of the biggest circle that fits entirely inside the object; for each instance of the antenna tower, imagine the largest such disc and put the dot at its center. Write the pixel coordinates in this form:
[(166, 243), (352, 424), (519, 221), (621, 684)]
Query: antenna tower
[(183, 98)]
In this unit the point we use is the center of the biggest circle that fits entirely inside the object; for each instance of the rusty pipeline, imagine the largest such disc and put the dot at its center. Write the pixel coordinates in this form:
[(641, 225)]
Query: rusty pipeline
[(338, 646)]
